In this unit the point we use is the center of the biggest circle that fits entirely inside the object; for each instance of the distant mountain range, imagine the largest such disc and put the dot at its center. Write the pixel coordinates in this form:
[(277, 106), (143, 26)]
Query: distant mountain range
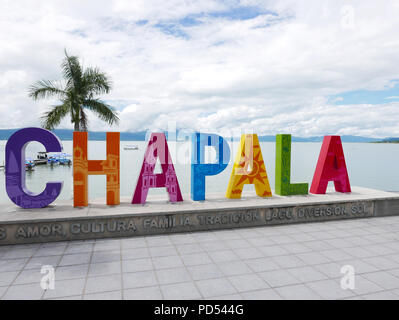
[(320, 138), (389, 140), (65, 134)]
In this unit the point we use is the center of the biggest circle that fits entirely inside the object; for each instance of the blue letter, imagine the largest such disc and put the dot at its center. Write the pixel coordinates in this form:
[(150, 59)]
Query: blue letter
[(200, 169)]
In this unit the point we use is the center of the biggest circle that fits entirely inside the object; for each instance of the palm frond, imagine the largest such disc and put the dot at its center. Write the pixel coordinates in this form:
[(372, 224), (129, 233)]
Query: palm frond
[(102, 110), (72, 71), (96, 82), (77, 95), (52, 118), (45, 89)]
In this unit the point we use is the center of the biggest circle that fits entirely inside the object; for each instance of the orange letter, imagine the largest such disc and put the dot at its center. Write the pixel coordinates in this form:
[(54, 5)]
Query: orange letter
[(83, 167)]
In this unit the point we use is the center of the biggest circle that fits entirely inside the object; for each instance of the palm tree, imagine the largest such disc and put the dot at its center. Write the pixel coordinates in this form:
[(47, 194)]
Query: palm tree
[(76, 95)]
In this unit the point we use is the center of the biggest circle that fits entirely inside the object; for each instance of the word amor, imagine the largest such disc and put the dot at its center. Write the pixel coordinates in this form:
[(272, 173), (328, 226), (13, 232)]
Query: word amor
[(248, 168)]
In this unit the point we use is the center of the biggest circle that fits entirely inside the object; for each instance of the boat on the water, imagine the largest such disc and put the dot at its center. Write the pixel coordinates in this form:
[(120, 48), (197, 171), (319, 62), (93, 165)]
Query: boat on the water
[(64, 159), (29, 164), (41, 158), (52, 160), (131, 147)]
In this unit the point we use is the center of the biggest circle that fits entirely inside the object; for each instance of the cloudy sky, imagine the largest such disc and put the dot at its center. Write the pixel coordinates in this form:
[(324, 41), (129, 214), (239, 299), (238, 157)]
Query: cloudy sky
[(301, 67)]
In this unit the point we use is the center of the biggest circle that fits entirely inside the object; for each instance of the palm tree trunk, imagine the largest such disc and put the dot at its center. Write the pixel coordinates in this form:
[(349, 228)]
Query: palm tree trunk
[(77, 126)]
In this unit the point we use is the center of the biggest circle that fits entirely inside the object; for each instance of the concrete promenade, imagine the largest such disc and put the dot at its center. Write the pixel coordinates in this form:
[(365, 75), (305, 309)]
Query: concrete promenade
[(62, 222), (293, 261)]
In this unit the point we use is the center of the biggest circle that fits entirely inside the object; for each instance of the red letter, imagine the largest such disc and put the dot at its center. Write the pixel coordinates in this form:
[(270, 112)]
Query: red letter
[(331, 167)]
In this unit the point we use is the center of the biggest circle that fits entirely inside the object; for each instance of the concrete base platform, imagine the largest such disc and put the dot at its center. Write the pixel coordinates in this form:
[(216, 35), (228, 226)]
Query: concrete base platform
[(62, 222)]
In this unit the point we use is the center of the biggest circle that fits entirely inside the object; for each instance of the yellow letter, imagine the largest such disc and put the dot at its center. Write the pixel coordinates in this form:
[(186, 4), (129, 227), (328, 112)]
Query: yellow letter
[(248, 155)]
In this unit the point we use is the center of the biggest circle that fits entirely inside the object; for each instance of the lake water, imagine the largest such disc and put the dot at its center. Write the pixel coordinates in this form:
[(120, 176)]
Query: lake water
[(369, 165)]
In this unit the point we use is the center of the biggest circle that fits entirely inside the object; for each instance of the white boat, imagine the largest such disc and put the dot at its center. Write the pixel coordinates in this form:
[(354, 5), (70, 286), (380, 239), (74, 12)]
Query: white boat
[(131, 147)]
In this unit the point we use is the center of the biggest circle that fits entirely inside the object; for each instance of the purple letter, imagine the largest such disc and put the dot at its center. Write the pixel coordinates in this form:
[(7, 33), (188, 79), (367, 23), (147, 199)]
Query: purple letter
[(15, 168)]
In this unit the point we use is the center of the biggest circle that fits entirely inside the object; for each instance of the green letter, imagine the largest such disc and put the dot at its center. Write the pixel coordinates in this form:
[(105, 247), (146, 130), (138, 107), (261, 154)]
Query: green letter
[(283, 168)]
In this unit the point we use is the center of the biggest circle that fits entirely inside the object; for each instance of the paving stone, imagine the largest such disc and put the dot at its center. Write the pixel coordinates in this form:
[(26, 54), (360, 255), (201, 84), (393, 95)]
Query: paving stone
[(227, 297), (180, 291), (364, 286), (247, 282), (105, 256), (307, 274), (215, 287), (105, 268), (158, 241), (137, 265), (196, 259), (279, 278), (71, 272), (262, 264), (133, 243), (223, 256), (167, 262), (290, 261), (24, 292), (163, 251), (38, 262), (148, 293), (232, 268), (29, 276), (206, 271), (385, 295), (139, 279), (174, 275), (383, 279), (136, 253), (285, 262), (111, 295), (265, 294), (273, 251), (12, 264), (329, 289), (19, 253), (297, 292), (103, 284), (189, 248), (65, 288), (313, 258), (45, 251), (75, 259), (249, 253), (79, 248), (7, 277)]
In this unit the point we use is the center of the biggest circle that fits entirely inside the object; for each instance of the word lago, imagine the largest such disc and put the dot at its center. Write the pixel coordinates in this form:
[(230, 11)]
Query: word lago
[(248, 168)]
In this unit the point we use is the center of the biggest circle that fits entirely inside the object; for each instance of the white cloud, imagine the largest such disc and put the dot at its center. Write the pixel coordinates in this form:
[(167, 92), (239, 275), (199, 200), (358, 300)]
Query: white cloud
[(272, 73)]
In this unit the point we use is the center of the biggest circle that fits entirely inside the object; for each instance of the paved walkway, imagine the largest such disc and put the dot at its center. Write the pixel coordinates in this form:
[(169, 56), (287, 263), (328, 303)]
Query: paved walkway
[(286, 262)]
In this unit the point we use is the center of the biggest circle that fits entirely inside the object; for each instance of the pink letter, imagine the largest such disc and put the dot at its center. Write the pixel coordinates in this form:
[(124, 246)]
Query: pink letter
[(157, 147)]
